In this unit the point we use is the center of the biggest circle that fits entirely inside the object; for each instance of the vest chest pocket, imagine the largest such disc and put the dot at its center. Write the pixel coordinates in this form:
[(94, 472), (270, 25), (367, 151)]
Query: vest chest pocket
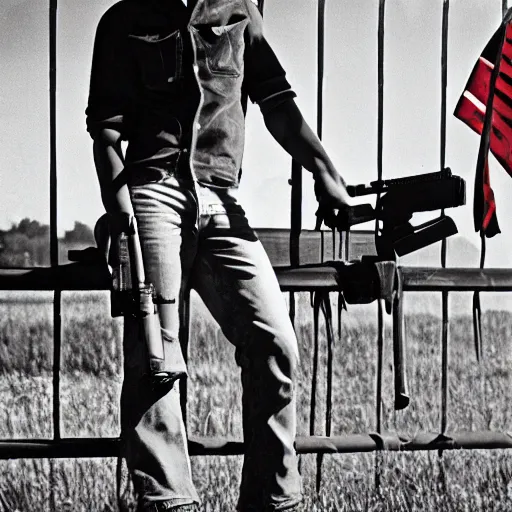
[(223, 47), (159, 59)]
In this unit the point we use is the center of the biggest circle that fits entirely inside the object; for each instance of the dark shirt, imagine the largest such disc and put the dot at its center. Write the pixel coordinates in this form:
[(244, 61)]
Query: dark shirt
[(172, 82)]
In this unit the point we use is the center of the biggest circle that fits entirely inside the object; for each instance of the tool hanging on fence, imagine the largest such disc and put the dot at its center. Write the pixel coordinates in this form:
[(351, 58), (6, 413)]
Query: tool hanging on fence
[(486, 107)]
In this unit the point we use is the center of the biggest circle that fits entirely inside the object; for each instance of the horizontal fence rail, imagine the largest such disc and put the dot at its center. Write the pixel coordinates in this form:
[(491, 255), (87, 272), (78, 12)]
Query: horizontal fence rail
[(79, 276), (349, 443)]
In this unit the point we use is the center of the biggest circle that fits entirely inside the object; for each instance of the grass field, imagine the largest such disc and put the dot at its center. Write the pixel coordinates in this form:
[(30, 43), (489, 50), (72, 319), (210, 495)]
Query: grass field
[(91, 378)]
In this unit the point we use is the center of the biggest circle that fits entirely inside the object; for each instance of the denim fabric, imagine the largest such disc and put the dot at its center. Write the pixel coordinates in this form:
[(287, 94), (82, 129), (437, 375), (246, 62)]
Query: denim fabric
[(172, 80), (194, 236)]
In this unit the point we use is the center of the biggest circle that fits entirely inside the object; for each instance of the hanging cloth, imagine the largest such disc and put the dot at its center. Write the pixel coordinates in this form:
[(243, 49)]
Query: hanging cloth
[(490, 84)]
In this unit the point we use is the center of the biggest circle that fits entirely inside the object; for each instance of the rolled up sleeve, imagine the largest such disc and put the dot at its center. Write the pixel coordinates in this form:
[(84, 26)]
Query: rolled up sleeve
[(111, 82), (264, 77)]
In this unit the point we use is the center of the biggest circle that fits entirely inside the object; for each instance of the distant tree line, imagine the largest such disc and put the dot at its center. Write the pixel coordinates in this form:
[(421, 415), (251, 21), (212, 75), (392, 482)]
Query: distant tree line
[(28, 243)]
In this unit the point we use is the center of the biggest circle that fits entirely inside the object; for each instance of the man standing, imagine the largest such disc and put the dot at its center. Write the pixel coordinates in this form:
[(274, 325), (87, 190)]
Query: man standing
[(170, 79)]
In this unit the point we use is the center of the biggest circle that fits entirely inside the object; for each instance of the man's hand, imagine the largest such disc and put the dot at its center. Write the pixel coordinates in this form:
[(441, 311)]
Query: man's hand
[(331, 194)]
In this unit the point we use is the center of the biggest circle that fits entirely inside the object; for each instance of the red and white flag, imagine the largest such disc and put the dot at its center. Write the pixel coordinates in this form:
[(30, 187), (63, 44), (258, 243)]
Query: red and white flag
[(488, 85)]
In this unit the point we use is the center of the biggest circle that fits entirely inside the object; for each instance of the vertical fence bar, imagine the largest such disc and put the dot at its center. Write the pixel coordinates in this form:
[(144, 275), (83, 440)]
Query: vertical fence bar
[(380, 347), (296, 218), (54, 241), (477, 307), (444, 334), (317, 302), (380, 147), (323, 299), (444, 295), (327, 311), (380, 93), (314, 372), (444, 82), (292, 307), (295, 227), (320, 68), (380, 150), (296, 213)]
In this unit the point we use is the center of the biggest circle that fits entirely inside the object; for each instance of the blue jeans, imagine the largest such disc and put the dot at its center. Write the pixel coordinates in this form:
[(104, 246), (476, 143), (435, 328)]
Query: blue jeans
[(194, 236)]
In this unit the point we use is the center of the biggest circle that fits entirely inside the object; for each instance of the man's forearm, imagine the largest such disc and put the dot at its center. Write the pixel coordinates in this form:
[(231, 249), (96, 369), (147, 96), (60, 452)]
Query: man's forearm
[(288, 127), (109, 161)]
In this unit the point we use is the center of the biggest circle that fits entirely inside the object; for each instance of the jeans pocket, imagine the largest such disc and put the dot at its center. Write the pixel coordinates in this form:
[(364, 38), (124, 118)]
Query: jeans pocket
[(159, 58), (223, 46)]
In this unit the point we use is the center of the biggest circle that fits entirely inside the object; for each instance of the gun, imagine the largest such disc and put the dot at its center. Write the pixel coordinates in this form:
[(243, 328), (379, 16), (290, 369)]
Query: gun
[(401, 198), (133, 295)]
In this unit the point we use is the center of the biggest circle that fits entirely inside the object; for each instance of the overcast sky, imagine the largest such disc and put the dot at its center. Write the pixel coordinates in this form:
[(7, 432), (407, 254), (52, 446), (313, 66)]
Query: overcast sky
[(412, 105)]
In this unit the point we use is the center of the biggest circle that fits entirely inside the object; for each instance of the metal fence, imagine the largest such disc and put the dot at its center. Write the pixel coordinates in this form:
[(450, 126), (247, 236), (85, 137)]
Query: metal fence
[(320, 280)]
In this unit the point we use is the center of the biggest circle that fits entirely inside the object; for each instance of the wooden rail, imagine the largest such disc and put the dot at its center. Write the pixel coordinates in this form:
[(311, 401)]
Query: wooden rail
[(349, 443), (80, 276)]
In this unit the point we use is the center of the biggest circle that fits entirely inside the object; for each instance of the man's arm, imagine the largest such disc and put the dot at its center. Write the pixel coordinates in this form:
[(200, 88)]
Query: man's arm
[(109, 162), (265, 81), (288, 127), (110, 96)]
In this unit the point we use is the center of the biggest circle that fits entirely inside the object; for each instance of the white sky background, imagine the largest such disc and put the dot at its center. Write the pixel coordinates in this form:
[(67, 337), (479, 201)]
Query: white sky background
[(412, 105)]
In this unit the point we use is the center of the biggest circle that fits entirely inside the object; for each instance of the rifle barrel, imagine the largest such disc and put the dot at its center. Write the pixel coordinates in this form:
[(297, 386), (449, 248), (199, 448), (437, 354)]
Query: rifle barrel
[(383, 186)]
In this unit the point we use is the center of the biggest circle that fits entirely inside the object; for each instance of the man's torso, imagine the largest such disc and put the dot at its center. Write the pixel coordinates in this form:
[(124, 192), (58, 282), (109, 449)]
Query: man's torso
[(187, 64)]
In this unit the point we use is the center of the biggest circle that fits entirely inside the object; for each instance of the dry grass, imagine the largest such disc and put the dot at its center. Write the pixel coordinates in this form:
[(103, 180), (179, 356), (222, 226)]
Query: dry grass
[(461, 481)]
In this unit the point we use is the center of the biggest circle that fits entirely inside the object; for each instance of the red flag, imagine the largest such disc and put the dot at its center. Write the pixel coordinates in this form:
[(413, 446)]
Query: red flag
[(486, 86)]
